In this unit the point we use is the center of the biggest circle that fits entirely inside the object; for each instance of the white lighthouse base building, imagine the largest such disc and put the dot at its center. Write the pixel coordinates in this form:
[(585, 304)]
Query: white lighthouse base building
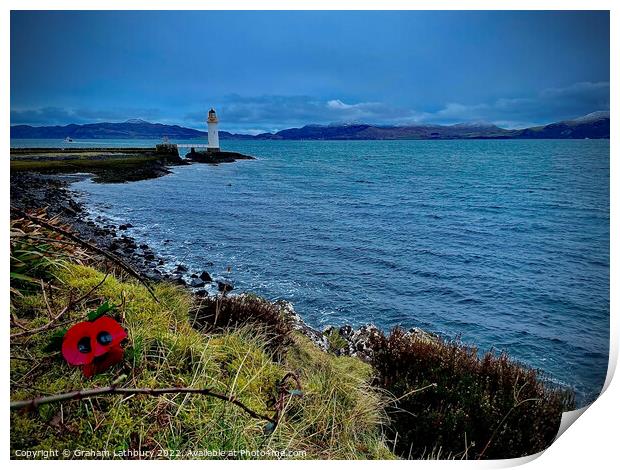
[(213, 144)]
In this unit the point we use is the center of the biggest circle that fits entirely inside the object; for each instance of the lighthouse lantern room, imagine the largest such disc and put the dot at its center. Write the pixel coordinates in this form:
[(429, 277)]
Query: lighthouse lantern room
[(214, 138)]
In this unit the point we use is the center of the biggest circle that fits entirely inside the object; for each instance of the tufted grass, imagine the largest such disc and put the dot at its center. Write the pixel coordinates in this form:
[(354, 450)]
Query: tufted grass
[(420, 396), (339, 416)]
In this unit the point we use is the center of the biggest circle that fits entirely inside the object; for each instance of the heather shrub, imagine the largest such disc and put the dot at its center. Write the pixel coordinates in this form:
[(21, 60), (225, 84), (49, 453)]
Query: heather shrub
[(222, 312), (450, 402)]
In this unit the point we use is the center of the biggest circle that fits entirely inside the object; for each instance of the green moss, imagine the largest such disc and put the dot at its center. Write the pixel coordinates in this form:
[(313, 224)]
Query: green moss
[(338, 416)]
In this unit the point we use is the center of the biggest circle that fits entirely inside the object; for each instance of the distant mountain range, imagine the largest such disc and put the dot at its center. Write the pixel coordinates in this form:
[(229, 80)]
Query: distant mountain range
[(592, 126)]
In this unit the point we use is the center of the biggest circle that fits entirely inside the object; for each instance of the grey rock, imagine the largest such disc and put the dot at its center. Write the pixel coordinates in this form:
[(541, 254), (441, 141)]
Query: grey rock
[(177, 279), (300, 325), (196, 283), (224, 287), (346, 331)]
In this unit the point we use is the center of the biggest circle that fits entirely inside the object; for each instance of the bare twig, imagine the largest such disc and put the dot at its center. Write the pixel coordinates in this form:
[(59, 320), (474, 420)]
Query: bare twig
[(89, 245), (411, 392), (47, 304), (20, 358), (52, 322), (16, 322), (113, 390), (50, 240)]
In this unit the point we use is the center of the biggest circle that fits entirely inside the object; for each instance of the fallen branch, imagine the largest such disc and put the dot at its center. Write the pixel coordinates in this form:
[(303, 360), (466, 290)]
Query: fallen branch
[(112, 390), (49, 240), (89, 245)]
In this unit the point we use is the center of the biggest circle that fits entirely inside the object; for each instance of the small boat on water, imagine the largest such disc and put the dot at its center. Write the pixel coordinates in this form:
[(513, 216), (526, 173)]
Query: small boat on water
[(68, 140)]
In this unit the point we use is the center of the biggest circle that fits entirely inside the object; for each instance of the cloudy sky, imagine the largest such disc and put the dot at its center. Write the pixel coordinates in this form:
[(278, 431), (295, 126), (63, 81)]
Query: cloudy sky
[(264, 71)]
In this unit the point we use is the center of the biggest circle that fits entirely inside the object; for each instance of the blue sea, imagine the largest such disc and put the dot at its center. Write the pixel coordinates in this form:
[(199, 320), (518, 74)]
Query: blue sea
[(503, 243)]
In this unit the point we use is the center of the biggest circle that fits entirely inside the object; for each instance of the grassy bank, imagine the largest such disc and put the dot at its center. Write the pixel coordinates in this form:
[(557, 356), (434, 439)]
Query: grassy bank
[(416, 399), (109, 164), (112, 169), (338, 419), (81, 163)]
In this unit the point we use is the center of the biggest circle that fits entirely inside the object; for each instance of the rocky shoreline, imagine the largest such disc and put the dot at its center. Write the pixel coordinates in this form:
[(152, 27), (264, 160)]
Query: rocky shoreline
[(215, 158), (30, 190)]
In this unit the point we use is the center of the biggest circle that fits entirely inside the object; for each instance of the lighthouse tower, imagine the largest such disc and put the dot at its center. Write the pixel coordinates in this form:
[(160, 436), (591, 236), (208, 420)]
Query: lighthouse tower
[(214, 138)]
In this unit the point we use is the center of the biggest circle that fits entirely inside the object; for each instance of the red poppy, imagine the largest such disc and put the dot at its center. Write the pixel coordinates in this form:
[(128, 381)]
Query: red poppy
[(94, 345), (101, 363), (76, 345), (107, 333)]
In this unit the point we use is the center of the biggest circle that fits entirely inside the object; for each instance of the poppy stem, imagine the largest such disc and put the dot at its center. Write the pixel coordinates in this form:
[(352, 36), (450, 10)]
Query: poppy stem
[(112, 390)]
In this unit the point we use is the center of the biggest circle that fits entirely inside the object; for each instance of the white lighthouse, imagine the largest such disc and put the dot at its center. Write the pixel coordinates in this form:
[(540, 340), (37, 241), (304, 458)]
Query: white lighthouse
[(214, 138)]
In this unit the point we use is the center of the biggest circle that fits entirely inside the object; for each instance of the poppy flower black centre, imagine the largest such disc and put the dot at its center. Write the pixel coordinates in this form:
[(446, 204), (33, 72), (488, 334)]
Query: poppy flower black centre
[(84, 345), (104, 338)]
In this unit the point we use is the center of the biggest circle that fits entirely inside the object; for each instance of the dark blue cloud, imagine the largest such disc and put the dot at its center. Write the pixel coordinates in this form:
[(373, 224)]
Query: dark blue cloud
[(53, 115), (272, 112), (267, 113), (42, 116), (549, 105), (269, 70)]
